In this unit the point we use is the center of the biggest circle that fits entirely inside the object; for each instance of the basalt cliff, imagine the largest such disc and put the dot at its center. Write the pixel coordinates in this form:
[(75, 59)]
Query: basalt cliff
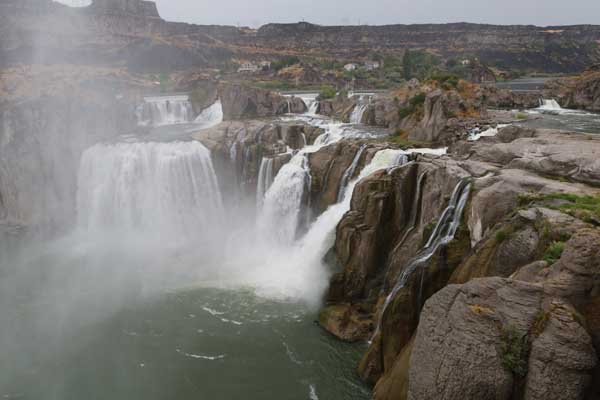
[(131, 33)]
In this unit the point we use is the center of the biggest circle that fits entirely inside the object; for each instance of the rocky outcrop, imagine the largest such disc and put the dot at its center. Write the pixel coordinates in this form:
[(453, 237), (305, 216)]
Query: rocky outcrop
[(508, 99), (550, 153), (330, 169), (45, 124), (582, 92), (498, 338), (431, 112), (243, 102), (238, 147), (137, 8), (519, 215)]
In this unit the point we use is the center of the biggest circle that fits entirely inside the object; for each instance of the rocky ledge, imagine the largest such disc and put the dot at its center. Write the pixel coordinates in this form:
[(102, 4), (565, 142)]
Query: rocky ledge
[(500, 304), (582, 92)]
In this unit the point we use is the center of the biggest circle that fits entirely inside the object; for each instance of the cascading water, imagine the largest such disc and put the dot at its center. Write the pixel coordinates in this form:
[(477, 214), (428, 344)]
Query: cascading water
[(165, 110), (349, 173), (359, 110), (210, 116), (476, 134), (164, 188), (265, 180), (549, 105), (443, 233), (282, 206)]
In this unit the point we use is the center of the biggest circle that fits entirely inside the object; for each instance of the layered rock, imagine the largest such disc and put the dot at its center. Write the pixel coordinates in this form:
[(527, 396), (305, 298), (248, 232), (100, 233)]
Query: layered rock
[(49, 118), (581, 92), (525, 338), (430, 112), (461, 345), (238, 147), (243, 102)]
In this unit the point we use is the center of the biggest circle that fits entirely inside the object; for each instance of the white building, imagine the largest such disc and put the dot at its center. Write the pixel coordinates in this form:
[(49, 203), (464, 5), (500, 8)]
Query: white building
[(350, 67)]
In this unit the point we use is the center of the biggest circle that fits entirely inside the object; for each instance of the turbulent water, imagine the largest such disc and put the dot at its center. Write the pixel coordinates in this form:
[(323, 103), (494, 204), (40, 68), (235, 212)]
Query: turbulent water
[(165, 110), (161, 292), (551, 115)]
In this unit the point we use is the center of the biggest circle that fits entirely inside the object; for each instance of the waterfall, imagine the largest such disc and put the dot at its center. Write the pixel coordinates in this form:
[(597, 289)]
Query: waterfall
[(210, 116), (165, 188), (443, 233), (358, 112), (476, 134), (265, 180), (349, 173), (165, 110), (549, 105), (282, 205), (321, 235), (313, 108)]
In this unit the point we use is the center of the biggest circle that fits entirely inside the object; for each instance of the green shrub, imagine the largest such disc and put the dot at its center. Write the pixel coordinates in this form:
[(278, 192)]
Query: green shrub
[(520, 116), (514, 349), (414, 104), (501, 236), (327, 92), (554, 252)]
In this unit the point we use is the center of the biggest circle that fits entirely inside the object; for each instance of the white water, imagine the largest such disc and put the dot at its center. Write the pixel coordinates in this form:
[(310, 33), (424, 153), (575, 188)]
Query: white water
[(210, 116), (168, 189), (549, 105), (477, 134), (265, 180), (350, 172), (283, 202), (165, 110), (443, 233)]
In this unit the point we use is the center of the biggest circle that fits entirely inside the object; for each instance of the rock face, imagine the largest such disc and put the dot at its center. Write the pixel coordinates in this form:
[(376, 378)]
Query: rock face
[(582, 92), (242, 102), (549, 153), (524, 339), (139, 8), (492, 314), (42, 136), (238, 147), (508, 99), (431, 112), (549, 48)]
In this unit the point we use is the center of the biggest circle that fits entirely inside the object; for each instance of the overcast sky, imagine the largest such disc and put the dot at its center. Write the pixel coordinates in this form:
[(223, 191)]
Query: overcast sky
[(334, 12)]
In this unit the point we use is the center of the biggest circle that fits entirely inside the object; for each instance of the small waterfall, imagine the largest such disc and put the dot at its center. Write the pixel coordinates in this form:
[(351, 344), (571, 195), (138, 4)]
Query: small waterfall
[(313, 108), (282, 205), (165, 188), (265, 180), (165, 110), (210, 116), (476, 134), (549, 105), (443, 233), (359, 111), (321, 235), (349, 173)]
